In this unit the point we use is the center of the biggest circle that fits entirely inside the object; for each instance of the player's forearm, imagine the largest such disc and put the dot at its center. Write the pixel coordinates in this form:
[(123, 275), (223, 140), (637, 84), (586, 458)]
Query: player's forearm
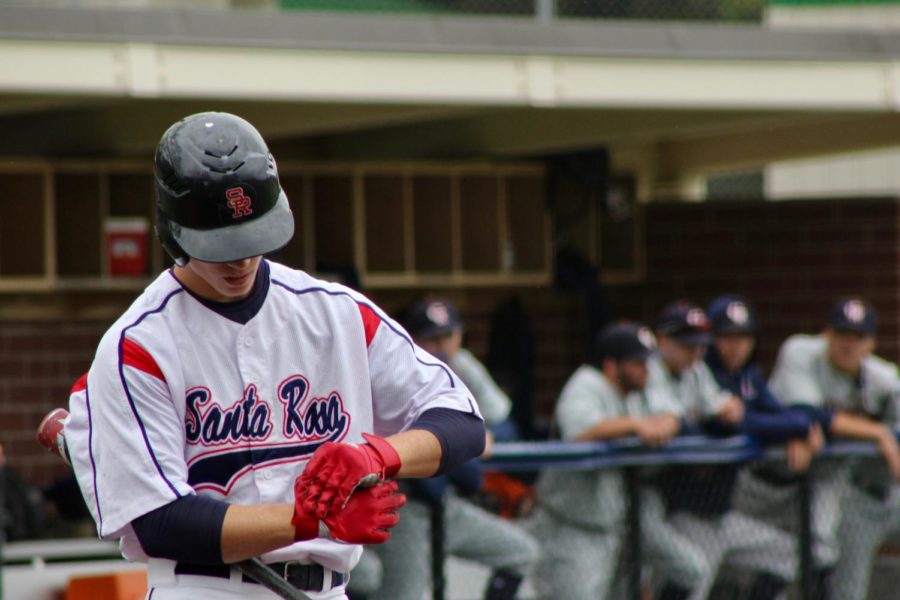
[(608, 429), (251, 530), (857, 427), (420, 452), (439, 441)]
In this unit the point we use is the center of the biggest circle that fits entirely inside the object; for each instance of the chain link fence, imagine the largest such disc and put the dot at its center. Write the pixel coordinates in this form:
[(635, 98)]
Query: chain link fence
[(714, 523), (687, 10)]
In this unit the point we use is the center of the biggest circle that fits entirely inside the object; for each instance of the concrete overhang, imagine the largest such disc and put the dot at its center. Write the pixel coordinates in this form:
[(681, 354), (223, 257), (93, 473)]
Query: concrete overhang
[(81, 81)]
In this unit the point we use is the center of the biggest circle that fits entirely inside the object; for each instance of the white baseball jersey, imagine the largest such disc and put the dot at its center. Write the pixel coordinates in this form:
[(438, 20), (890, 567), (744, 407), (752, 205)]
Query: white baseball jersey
[(693, 394), (181, 400)]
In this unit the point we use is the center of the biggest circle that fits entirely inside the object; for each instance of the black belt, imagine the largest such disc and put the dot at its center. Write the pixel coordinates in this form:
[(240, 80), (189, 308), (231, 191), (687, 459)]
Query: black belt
[(309, 578)]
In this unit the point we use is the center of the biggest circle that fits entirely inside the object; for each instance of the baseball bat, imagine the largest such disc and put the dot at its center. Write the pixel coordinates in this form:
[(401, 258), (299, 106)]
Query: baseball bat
[(52, 436)]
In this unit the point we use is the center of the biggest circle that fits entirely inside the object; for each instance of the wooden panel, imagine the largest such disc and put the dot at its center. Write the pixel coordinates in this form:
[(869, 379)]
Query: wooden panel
[(384, 222), (480, 223), (132, 195), (294, 253), (334, 223), (527, 219), (432, 217), (22, 229), (78, 222)]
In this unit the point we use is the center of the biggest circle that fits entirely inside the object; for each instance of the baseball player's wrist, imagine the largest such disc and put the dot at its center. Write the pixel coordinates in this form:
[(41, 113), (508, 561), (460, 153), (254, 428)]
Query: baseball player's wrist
[(382, 453), (306, 526)]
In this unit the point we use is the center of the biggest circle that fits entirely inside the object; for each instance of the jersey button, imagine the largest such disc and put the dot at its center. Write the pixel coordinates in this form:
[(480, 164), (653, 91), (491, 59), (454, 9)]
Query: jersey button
[(248, 341)]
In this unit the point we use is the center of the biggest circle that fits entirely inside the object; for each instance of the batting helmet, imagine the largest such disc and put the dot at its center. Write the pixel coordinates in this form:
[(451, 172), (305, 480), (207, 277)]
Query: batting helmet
[(218, 195)]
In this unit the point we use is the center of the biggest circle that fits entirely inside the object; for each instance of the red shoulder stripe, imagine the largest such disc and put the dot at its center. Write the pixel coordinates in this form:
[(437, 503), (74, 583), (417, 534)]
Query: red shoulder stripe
[(370, 320), (134, 355), (79, 385)]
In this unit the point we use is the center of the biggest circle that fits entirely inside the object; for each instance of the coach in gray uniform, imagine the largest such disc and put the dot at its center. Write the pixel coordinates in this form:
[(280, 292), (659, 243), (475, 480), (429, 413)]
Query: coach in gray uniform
[(871, 504), (470, 531), (580, 514), (700, 497), (437, 327), (837, 379), (681, 384)]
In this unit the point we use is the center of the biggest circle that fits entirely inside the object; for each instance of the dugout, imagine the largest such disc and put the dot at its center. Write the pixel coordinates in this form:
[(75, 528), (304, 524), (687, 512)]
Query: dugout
[(444, 153)]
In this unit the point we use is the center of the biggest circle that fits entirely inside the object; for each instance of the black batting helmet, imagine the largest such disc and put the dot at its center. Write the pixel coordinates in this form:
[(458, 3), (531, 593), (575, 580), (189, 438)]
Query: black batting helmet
[(218, 195)]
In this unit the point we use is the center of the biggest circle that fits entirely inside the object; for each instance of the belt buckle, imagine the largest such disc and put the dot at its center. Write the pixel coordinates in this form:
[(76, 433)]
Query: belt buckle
[(287, 565)]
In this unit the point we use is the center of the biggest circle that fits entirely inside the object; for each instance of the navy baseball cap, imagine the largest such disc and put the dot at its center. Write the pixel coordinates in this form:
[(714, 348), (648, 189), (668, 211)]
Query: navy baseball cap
[(853, 314), (684, 322), (624, 341), (733, 314), (431, 318)]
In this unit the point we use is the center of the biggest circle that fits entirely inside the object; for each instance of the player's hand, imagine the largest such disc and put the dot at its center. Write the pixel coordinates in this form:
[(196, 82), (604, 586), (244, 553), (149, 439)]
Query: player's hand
[(336, 470), (731, 411), (799, 455), (887, 445), (656, 430), (367, 518), (816, 439), (488, 444)]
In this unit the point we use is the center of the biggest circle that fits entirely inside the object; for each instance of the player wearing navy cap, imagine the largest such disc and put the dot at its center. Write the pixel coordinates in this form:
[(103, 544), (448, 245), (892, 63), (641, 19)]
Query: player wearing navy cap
[(470, 532), (838, 380), (231, 375), (700, 498), (681, 386), (578, 520)]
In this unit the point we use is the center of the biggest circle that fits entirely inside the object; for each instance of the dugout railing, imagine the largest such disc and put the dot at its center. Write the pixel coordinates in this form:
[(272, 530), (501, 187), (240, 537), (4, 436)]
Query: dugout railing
[(631, 456)]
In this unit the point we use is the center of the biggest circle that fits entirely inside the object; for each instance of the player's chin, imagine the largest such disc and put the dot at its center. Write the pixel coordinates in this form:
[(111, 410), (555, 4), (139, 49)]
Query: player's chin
[(235, 288)]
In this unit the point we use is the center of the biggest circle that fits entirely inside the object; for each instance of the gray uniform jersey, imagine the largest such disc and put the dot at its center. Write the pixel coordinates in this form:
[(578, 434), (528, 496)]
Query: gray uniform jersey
[(592, 499), (694, 394), (493, 403), (803, 375)]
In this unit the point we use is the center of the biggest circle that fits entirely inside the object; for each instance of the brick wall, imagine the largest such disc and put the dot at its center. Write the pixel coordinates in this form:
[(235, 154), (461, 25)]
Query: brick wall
[(39, 362), (791, 258)]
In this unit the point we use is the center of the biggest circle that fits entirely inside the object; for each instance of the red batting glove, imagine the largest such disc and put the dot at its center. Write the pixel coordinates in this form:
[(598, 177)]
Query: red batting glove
[(335, 470), (367, 518)]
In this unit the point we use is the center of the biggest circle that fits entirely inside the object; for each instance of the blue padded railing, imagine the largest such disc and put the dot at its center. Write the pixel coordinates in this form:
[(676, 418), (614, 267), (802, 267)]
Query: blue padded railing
[(630, 452)]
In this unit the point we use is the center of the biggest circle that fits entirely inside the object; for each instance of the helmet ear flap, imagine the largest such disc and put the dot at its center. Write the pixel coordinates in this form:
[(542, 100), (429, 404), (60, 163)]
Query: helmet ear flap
[(164, 233)]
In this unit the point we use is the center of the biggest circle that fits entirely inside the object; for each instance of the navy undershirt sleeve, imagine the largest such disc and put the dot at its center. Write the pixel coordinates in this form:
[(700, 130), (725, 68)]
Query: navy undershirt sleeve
[(188, 529), (461, 435), (824, 417)]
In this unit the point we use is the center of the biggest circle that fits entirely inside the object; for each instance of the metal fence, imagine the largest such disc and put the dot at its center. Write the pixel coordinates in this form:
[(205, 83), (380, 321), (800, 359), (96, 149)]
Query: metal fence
[(686, 10)]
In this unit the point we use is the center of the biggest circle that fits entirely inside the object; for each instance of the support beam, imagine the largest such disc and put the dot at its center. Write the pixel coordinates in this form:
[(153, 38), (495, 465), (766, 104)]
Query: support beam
[(814, 136)]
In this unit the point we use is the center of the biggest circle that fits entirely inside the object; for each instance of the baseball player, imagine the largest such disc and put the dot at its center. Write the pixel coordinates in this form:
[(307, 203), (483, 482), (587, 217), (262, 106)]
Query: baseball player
[(437, 328), (470, 532), (580, 514), (681, 387), (851, 393), (700, 498), (230, 375)]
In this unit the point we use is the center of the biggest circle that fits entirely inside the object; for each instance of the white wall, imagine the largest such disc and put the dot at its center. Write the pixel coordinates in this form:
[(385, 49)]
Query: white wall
[(870, 173)]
